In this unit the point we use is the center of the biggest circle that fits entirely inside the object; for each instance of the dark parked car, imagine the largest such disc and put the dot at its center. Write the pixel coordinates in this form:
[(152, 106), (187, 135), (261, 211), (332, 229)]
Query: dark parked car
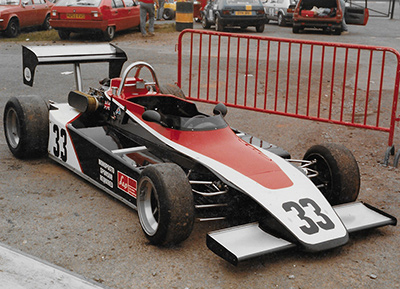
[(17, 14), (105, 16), (243, 13), (326, 14)]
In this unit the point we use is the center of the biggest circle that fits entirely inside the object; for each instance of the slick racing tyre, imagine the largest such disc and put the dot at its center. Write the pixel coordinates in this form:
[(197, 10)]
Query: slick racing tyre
[(172, 89), (338, 176), (26, 126), (165, 204)]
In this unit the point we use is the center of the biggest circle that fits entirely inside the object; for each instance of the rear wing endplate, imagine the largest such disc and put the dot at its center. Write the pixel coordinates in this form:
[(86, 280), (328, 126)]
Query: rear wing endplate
[(33, 56)]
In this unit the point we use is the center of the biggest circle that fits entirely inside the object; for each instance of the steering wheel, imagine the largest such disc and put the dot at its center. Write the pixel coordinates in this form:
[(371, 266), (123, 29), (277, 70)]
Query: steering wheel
[(138, 66), (191, 122)]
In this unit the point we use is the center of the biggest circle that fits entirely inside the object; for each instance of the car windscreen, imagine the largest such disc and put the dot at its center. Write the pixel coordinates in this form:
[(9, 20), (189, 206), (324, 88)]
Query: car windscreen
[(91, 3), (9, 2)]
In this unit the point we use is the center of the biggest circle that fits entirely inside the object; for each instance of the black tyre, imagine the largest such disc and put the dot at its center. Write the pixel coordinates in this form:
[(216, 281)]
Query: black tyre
[(295, 29), (172, 89), (205, 23), (109, 33), (165, 204), (26, 126), (219, 26), (260, 27), (46, 23), (64, 34), (169, 14), (338, 174), (281, 20), (12, 29)]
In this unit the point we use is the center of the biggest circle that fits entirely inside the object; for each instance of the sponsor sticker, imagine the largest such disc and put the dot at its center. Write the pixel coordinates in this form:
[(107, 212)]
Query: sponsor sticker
[(127, 184)]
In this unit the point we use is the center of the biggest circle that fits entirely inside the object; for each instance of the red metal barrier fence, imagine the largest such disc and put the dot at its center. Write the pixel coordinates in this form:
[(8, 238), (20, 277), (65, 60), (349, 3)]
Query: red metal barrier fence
[(353, 85)]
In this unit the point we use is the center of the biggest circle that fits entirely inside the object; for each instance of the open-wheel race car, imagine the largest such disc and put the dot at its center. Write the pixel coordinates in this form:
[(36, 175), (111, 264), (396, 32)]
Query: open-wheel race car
[(148, 146)]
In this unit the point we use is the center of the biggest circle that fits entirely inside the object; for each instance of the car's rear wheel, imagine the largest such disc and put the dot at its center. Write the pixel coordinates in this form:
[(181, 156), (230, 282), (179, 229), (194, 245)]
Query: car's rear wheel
[(165, 204), (260, 27), (295, 29), (219, 26), (173, 89), (26, 126), (64, 34), (109, 33), (338, 176), (12, 29)]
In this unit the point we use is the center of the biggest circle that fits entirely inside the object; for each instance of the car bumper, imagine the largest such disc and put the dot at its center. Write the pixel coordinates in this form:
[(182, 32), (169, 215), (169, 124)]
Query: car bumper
[(318, 24), (78, 26), (242, 21)]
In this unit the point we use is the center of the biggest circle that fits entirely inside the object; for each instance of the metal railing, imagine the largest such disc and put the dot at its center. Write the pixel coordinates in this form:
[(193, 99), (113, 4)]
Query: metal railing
[(347, 84)]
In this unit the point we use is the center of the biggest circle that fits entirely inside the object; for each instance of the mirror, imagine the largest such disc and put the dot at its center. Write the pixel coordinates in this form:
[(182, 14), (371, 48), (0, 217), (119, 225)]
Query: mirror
[(152, 116), (220, 108)]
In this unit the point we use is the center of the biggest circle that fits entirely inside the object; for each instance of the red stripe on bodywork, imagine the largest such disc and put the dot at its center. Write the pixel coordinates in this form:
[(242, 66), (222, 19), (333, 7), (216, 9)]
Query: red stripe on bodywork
[(225, 147)]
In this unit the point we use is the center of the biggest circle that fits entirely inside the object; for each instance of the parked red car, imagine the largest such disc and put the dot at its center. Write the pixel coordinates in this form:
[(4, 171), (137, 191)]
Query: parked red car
[(105, 16), (17, 14)]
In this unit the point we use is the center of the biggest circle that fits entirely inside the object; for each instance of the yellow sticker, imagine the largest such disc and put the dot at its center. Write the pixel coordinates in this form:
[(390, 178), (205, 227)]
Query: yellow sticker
[(248, 7)]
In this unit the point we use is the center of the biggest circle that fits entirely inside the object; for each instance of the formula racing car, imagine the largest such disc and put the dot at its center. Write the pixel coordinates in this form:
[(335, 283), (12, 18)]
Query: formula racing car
[(151, 148)]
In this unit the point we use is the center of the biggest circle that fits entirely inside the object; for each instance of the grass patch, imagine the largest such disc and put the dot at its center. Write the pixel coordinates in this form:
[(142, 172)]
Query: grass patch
[(52, 35), (49, 35)]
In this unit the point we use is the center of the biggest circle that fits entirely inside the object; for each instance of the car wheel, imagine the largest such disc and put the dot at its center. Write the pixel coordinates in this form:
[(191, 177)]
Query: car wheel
[(165, 204), (172, 89), (337, 31), (260, 27), (12, 29), (46, 23), (64, 34), (338, 176), (205, 23), (266, 20), (169, 14), (26, 126), (109, 33), (218, 24), (296, 29), (281, 20)]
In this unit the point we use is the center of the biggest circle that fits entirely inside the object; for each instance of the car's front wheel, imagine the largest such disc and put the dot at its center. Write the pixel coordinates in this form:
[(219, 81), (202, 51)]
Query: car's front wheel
[(26, 126), (338, 176), (46, 23), (169, 14), (281, 20), (205, 23), (12, 29), (165, 204)]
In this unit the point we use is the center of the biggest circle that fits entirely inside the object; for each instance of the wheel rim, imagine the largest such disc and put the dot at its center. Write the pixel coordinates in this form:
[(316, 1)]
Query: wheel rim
[(280, 19), (12, 128), (148, 207)]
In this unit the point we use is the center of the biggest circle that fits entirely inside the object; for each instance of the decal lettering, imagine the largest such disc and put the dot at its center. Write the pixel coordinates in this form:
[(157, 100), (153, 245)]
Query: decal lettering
[(312, 227), (127, 184), (60, 148), (106, 173)]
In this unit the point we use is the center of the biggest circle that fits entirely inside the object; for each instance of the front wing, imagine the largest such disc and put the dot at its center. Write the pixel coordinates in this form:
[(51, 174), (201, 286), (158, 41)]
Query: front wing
[(247, 241)]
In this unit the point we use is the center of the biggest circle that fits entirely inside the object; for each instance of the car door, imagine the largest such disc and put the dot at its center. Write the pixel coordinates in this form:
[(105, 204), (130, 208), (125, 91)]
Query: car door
[(41, 10), (133, 9), (118, 15), (271, 7), (27, 15), (356, 15)]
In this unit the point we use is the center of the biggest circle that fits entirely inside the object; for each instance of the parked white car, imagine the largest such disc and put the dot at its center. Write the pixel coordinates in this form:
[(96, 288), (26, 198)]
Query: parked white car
[(279, 10)]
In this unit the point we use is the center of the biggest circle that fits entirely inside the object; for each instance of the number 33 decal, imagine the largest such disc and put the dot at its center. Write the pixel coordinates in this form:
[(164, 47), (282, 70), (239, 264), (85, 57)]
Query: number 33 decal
[(60, 148), (313, 227)]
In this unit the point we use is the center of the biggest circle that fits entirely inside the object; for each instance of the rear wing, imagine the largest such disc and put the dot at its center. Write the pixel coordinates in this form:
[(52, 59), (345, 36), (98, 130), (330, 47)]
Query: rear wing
[(33, 56)]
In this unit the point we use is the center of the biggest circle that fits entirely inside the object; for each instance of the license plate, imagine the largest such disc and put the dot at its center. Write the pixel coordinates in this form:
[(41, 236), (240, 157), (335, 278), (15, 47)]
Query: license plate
[(243, 13), (75, 16)]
